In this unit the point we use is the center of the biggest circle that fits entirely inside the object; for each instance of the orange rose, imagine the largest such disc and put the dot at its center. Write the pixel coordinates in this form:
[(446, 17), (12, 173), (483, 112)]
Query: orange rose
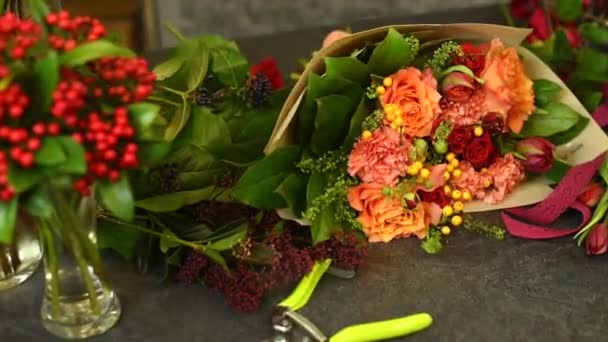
[(383, 217), (413, 97), (507, 89)]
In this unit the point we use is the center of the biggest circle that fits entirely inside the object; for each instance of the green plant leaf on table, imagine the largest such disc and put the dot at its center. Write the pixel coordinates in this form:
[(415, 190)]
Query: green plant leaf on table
[(75, 162), (258, 184), (319, 87), (168, 68), (143, 115), (566, 136), (174, 201), (356, 121), (556, 117), (227, 62), (199, 179), (117, 198), (208, 129), (604, 171), (200, 65), (348, 68), (8, 216), (545, 91), (93, 50), (390, 55), (150, 154), (190, 158), (47, 74), (317, 183), (594, 33), (120, 238), (569, 10), (331, 123)]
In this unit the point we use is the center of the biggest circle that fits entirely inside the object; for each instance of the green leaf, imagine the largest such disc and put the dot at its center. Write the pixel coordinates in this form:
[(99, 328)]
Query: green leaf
[(292, 190), (317, 183), (117, 198), (230, 241), (199, 179), (591, 99), (39, 9), (178, 121), (390, 55), (319, 87), (200, 65), (118, 237), (604, 170), (51, 152), (432, 243), (8, 216), (227, 62), (93, 50), (331, 123), (569, 10), (558, 118), (362, 111), (545, 91), (47, 73), (168, 68), (565, 137), (562, 50), (151, 154), (348, 68), (592, 65), (557, 172), (257, 185), (143, 115), (167, 241), (177, 200), (594, 33), (75, 162), (216, 257), (192, 158), (323, 225), (22, 180), (208, 129), (38, 203)]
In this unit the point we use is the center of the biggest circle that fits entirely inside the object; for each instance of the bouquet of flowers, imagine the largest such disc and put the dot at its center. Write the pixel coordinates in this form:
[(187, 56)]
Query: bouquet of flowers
[(400, 130)]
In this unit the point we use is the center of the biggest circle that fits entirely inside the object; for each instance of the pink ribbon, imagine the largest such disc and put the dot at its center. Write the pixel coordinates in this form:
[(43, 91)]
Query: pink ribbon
[(600, 115)]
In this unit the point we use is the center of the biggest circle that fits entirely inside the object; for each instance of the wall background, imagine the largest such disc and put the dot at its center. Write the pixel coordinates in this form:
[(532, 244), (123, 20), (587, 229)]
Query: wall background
[(238, 18)]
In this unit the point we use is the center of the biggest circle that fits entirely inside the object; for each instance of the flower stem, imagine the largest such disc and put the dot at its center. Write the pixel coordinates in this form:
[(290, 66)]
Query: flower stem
[(86, 275), (172, 238), (165, 101), (50, 256), (174, 91), (174, 31), (507, 14)]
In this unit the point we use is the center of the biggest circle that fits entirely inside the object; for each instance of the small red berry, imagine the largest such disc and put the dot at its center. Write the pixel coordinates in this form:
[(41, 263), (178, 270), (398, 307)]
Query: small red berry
[(39, 128), (33, 144), (7, 194), (54, 128), (77, 137), (109, 155), (69, 45), (26, 160), (113, 175)]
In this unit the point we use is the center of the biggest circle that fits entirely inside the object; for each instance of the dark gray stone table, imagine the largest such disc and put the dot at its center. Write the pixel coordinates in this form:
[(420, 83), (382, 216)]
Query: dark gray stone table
[(477, 289)]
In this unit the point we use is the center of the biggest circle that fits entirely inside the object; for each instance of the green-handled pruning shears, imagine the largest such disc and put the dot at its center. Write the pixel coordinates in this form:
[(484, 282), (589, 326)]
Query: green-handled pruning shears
[(286, 318)]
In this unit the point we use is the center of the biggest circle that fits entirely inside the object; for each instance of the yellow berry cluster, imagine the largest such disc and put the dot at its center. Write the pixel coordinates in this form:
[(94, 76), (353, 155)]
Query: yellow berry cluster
[(452, 170), (417, 168)]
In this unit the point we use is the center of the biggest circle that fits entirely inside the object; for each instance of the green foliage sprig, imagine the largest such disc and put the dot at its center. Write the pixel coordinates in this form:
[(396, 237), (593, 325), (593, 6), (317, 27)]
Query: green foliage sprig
[(442, 55)]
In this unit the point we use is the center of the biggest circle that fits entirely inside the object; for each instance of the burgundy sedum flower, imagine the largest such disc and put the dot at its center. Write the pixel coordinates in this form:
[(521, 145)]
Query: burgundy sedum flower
[(597, 241), (538, 153)]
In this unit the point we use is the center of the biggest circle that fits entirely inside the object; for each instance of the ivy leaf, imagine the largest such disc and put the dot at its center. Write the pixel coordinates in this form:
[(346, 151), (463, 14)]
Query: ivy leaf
[(362, 111), (323, 225), (118, 237), (178, 121), (594, 33), (208, 129), (556, 117), (143, 115), (168, 68), (230, 241), (8, 216), (348, 68), (257, 185), (565, 136), (569, 10), (545, 91), (319, 87), (47, 73), (174, 201), (93, 50), (331, 123), (117, 198), (227, 62), (390, 55), (200, 65), (51, 152)]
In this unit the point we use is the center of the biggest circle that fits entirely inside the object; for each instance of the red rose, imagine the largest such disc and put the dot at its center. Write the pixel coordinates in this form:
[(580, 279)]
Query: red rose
[(268, 67), (437, 196), (458, 93), (473, 57), (480, 152), (539, 22), (459, 138)]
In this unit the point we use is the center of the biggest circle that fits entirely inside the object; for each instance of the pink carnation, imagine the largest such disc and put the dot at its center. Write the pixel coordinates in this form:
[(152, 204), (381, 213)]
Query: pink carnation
[(380, 159), (471, 180), (465, 113), (506, 172)]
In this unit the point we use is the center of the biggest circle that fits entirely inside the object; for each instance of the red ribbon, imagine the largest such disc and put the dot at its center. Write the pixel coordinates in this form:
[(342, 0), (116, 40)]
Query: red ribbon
[(532, 222)]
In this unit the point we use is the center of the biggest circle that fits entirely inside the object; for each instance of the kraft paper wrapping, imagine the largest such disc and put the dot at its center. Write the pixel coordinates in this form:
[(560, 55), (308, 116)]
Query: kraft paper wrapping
[(588, 145)]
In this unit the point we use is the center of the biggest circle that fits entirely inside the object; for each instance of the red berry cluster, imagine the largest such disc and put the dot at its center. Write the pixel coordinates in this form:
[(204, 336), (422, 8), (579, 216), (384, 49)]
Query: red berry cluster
[(17, 36), (130, 79), (6, 190), (67, 31)]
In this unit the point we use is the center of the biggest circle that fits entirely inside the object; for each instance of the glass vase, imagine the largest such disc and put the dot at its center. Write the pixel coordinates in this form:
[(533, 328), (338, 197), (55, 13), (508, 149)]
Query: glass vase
[(20, 259), (77, 302)]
